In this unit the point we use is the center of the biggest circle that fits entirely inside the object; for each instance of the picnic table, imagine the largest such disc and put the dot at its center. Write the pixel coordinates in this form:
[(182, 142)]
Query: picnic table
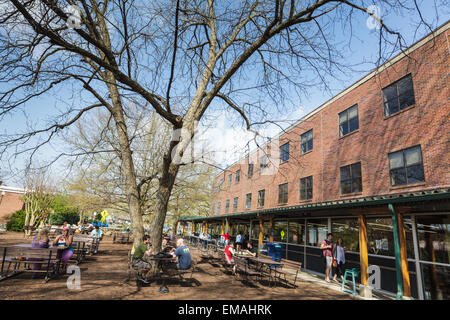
[(18, 258)]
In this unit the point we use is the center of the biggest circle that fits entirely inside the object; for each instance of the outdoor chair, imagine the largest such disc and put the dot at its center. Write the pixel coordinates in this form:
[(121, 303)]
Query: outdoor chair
[(350, 272)]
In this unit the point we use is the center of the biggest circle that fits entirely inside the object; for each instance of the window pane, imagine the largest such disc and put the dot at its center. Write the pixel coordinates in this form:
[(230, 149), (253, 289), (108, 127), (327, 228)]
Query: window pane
[(353, 124), (317, 231), (413, 156), (391, 106), (398, 177), (261, 195), (390, 93), (433, 233), (347, 229), (310, 144), (396, 160), (250, 170), (343, 129), (346, 186), (415, 173), (345, 173), (296, 232), (380, 238), (357, 185), (343, 117), (356, 170), (406, 100), (248, 201), (353, 112), (405, 85), (280, 231)]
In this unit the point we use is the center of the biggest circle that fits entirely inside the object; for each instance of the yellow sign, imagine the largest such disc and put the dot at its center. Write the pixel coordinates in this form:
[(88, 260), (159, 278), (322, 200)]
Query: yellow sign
[(104, 214), (282, 234)]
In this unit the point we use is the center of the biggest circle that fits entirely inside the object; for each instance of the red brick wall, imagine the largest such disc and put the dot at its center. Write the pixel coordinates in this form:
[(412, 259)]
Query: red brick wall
[(10, 203), (426, 124)]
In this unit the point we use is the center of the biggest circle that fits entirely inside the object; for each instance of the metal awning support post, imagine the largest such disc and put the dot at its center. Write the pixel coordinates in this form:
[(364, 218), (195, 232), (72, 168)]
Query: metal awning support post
[(398, 266)]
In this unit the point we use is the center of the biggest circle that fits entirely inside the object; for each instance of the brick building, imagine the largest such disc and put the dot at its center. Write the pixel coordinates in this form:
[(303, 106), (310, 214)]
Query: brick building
[(371, 165), (10, 201)]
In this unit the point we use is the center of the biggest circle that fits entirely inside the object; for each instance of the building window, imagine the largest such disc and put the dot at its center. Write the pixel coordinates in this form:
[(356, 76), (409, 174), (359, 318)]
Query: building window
[(348, 120), (284, 152), (261, 195), (213, 208), (221, 184), (263, 163), (238, 176), (248, 201), (250, 170), (398, 95), (283, 193), (227, 206), (351, 180), (218, 207), (306, 141), (235, 203), (406, 167), (306, 188), (229, 179)]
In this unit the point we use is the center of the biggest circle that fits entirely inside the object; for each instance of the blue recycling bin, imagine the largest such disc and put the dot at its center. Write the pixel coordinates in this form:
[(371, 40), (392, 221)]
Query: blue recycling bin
[(274, 250)]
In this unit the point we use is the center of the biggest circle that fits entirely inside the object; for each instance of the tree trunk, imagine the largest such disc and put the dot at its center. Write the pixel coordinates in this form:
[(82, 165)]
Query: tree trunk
[(128, 171)]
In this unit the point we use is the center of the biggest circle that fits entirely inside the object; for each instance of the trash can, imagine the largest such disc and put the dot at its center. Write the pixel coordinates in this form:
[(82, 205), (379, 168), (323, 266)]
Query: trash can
[(275, 250)]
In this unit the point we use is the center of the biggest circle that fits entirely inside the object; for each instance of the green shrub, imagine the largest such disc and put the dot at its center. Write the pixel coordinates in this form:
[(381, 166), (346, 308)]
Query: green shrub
[(17, 221), (63, 211)]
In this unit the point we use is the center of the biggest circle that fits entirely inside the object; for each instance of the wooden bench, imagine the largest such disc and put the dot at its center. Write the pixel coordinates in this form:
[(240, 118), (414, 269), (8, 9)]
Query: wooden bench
[(122, 237), (140, 273), (91, 243), (282, 272), (242, 267), (15, 260)]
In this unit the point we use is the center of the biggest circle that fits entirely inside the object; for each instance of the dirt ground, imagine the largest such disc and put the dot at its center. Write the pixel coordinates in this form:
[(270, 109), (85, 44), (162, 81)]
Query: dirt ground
[(104, 276)]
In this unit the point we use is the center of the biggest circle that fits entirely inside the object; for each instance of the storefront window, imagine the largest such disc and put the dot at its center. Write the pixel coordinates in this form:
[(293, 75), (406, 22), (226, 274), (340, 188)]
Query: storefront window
[(433, 235), (380, 238), (317, 231), (280, 231), (296, 232), (347, 229), (255, 230)]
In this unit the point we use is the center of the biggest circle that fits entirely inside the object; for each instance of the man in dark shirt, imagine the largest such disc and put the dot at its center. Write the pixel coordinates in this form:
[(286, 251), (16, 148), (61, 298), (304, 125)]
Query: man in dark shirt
[(183, 254)]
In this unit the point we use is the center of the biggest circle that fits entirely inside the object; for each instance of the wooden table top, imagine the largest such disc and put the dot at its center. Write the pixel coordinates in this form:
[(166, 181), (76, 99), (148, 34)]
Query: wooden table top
[(265, 261), (29, 245)]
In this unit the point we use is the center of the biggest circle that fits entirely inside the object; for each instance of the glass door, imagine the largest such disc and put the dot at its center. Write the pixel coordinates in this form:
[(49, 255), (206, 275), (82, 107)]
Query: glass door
[(433, 237)]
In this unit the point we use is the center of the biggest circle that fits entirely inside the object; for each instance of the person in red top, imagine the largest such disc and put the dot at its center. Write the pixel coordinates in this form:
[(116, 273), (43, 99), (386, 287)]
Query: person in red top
[(327, 248), (227, 238), (229, 253)]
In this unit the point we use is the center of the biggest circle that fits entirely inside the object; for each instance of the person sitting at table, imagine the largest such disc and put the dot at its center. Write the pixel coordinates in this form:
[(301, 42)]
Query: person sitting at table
[(98, 234), (39, 241), (142, 252), (250, 249), (229, 253), (183, 254), (164, 241), (65, 239)]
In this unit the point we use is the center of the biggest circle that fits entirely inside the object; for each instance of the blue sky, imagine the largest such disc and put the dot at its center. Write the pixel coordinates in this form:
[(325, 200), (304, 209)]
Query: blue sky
[(363, 47)]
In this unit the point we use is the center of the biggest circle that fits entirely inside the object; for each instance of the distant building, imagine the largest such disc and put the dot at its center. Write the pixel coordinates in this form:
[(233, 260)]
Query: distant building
[(371, 166), (11, 200)]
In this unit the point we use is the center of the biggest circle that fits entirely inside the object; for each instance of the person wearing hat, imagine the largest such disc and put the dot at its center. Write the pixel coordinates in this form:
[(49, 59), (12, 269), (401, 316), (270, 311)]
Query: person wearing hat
[(65, 239)]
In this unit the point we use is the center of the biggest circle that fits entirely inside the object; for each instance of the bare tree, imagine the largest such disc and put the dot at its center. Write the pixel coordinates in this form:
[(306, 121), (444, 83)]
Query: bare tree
[(37, 199), (173, 56)]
